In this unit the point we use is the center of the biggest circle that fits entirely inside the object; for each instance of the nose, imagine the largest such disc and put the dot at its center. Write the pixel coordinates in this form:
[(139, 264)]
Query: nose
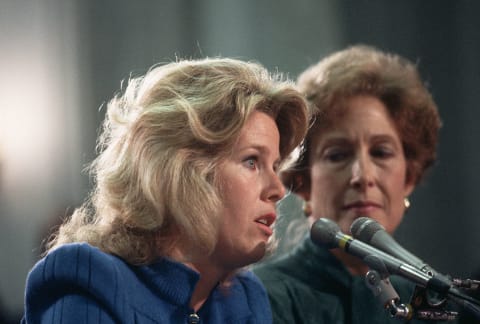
[(362, 173), (274, 190)]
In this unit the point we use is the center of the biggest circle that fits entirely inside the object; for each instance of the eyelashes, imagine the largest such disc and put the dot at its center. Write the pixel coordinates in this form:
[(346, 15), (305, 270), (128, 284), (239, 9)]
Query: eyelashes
[(340, 154), (251, 162)]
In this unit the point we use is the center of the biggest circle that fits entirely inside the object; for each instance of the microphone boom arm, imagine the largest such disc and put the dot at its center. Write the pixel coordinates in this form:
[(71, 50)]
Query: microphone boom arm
[(326, 233)]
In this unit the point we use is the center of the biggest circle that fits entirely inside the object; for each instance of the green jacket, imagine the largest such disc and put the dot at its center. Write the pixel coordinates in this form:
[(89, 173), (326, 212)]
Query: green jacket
[(309, 285)]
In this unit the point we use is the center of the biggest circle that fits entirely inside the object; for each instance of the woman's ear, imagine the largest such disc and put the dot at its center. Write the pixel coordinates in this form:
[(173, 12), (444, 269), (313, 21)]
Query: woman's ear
[(409, 186), (410, 181)]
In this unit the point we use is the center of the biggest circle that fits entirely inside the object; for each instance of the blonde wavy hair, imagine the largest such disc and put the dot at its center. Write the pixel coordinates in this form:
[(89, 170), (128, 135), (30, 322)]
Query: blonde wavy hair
[(155, 180), (394, 80)]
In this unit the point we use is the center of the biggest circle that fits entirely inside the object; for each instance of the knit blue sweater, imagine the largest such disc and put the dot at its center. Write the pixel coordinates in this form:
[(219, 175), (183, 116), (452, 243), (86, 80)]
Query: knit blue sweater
[(78, 283)]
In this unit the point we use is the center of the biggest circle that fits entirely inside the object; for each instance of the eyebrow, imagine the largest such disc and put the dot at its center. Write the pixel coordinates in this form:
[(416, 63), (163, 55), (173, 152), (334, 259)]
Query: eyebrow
[(383, 136), (263, 149), (345, 139)]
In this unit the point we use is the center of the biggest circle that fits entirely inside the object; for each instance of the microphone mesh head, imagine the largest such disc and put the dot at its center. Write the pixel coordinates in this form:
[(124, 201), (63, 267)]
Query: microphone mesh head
[(364, 228), (323, 232)]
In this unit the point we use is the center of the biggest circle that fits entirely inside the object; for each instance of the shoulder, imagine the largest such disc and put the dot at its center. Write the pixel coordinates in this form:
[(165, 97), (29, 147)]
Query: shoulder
[(247, 292), (77, 269), (250, 285), (284, 281), (294, 294), (278, 274), (250, 282), (78, 263), (75, 254)]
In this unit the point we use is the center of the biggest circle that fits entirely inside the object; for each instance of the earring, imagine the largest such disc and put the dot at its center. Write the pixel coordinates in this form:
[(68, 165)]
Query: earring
[(307, 208), (406, 203)]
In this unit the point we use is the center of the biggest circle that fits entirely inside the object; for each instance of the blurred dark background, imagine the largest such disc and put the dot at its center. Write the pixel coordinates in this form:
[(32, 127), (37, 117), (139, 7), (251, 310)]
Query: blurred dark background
[(60, 61)]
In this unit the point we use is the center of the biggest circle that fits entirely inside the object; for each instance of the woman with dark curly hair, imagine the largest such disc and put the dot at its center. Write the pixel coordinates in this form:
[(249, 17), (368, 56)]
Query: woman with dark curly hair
[(186, 186), (373, 138)]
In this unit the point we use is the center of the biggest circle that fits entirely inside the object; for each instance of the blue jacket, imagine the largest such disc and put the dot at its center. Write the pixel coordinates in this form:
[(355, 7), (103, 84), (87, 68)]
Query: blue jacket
[(78, 283)]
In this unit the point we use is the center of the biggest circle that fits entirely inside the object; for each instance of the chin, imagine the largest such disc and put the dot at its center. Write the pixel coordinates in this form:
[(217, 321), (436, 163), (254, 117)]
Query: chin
[(257, 253)]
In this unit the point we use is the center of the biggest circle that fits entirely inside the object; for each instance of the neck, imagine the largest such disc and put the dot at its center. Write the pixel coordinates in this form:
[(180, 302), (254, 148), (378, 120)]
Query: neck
[(210, 277)]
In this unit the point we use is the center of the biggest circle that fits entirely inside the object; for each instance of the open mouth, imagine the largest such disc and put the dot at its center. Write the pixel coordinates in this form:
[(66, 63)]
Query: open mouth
[(266, 220)]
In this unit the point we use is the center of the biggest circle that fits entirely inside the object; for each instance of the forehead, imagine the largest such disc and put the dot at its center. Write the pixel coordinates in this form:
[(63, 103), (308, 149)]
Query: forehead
[(360, 117), (259, 130), (258, 122)]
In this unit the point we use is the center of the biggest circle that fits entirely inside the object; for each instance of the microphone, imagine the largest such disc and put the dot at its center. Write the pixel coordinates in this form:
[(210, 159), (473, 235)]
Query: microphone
[(326, 233), (371, 232)]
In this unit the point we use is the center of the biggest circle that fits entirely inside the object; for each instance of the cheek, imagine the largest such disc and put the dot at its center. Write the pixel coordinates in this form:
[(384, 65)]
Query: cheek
[(233, 187), (398, 185), (397, 195), (322, 181), (238, 200), (323, 190), (233, 200)]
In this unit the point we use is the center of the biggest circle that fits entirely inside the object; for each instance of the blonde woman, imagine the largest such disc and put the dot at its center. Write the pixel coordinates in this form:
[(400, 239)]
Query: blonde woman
[(186, 186)]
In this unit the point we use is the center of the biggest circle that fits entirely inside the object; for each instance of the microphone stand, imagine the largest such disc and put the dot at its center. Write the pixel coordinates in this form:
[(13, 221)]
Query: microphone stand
[(327, 233), (421, 306), (427, 308), (384, 291), (467, 302), (468, 284)]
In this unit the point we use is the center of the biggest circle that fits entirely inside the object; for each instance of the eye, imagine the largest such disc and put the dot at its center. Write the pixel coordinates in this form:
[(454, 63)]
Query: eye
[(336, 155), (251, 162), (382, 152)]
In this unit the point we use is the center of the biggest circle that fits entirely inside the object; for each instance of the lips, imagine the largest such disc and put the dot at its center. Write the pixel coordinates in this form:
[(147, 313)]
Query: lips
[(362, 206), (265, 222), (267, 219)]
